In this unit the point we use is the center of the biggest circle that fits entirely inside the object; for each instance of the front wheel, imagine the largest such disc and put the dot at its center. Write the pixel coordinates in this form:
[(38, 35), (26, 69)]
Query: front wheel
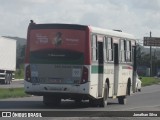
[(128, 91), (9, 79), (6, 80), (103, 101), (139, 90)]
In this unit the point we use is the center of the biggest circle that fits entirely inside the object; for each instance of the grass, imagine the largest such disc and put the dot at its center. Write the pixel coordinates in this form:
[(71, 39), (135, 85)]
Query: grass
[(19, 74), (146, 81), (12, 93)]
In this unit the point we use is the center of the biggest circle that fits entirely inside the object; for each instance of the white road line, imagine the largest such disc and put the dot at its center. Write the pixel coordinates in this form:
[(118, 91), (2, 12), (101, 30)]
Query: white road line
[(146, 92), (141, 107)]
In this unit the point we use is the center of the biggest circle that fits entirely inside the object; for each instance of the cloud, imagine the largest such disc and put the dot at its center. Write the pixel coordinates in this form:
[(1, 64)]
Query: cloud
[(133, 16), (146, 4)]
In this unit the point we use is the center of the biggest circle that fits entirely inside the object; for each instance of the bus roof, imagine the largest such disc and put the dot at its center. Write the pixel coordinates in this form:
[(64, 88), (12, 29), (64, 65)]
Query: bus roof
[(82, 27), (58, 26), (111, 32)]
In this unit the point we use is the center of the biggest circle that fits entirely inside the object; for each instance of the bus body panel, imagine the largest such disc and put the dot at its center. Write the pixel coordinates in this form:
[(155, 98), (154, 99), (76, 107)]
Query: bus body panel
[(59, 61), (125, 73), (43, 89)]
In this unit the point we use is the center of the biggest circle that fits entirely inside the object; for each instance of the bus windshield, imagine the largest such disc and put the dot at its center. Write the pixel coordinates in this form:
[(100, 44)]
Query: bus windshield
[(57, 46)]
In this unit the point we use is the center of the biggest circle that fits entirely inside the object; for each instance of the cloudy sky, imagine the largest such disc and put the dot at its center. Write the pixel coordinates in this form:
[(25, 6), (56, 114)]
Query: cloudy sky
[(137, 17)]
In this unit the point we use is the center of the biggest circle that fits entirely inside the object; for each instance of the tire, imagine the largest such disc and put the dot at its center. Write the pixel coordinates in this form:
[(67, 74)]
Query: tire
[(139, 90), (9, 79), (51, 101), (103, 101), (128, 92), (136, 88), (122, 100), (6, 78)]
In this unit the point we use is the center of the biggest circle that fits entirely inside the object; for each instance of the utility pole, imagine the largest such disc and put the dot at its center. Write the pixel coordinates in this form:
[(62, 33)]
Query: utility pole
[(151, 41), (150, 56)]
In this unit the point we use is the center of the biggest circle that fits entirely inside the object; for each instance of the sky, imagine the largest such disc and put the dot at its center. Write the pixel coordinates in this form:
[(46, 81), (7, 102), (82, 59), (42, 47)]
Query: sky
[(137, 17)]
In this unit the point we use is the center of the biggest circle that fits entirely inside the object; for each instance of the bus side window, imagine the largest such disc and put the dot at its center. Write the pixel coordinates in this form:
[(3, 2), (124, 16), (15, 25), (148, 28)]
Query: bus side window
[(123, 51), (128, 51), (109, 48), (94, 48)]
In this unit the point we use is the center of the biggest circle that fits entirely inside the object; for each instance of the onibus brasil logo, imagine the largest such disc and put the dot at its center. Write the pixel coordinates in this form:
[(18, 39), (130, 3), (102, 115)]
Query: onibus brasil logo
[(21, 114)]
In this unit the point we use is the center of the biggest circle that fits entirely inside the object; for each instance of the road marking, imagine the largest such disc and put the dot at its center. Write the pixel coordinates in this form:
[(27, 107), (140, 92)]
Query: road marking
[(146, 92), (141, 107)]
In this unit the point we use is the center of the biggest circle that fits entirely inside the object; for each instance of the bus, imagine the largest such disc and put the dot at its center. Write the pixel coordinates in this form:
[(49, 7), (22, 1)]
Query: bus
[(79, 62)]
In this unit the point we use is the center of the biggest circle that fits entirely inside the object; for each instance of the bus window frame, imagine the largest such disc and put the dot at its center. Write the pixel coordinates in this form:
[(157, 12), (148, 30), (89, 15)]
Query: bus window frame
[(107, 59), (124, 50), (94, 60), (130, 51)]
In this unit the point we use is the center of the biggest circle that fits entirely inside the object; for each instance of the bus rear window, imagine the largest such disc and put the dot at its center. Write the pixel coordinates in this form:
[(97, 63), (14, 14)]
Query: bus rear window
[(57, 46)]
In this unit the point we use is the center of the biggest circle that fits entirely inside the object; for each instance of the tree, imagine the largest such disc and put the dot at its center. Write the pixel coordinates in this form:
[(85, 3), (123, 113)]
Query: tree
[(20, 55)]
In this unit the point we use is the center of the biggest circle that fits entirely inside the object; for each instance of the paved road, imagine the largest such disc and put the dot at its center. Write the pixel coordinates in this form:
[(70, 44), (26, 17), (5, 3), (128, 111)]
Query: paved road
[(147, 100), (14, 84)]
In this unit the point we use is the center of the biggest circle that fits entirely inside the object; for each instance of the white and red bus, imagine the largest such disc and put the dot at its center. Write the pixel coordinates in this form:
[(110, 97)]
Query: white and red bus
[(79, 62)]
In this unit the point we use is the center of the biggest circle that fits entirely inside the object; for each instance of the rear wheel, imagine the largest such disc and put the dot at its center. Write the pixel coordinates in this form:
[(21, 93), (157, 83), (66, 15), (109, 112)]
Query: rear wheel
[(122, 100), (128, 91), (5, 81), (103, 101), (100, 102), (139, 90), (9, 79)]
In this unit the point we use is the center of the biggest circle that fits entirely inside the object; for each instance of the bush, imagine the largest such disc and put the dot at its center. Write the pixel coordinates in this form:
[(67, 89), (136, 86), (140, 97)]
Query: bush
[(19, 74)]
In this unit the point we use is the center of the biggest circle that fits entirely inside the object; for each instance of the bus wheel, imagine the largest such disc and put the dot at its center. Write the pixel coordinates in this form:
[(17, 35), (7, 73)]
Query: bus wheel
[(9, 78), (51, 101), (103, 101), (139, 90), (5, 81), (122, 100), (128, 92)]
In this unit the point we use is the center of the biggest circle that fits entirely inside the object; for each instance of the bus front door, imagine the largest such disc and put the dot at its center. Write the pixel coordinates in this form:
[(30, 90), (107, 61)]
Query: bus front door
[(100, 68)]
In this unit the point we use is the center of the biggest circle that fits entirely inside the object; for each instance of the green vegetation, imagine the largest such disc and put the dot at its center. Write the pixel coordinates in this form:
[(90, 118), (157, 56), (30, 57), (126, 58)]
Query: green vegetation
[(12, 93), (19, 74), (146, 81)]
